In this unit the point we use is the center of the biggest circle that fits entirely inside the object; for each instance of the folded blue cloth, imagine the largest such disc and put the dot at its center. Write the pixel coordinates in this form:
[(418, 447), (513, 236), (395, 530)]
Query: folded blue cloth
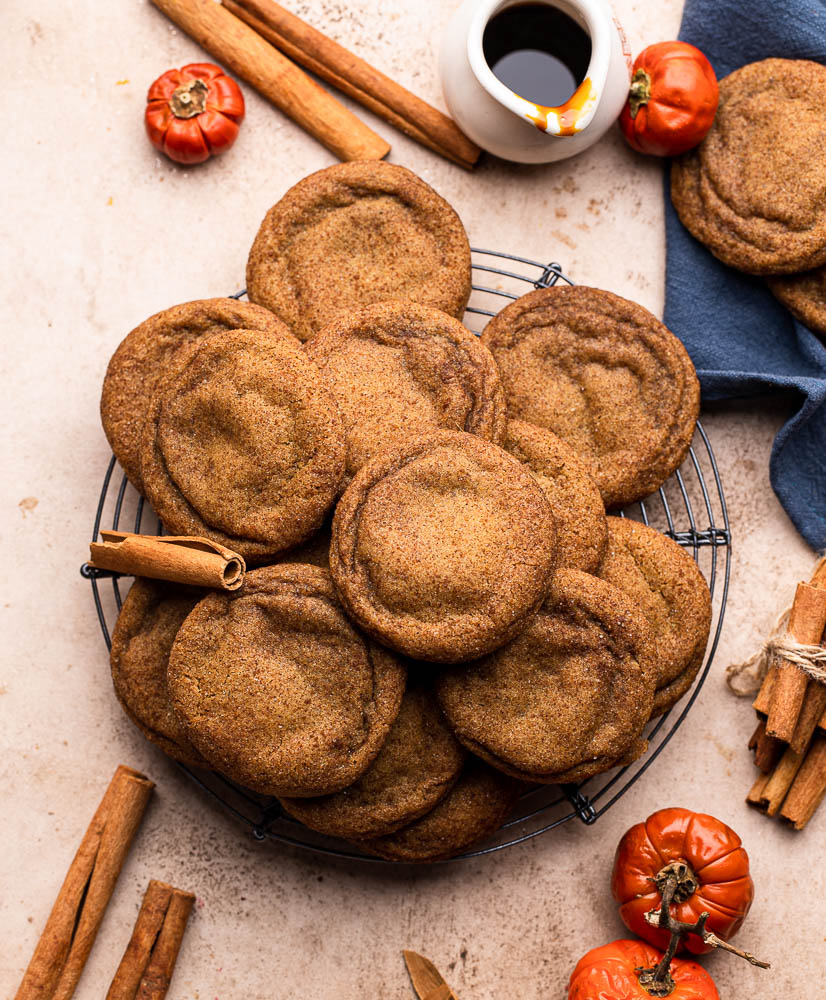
[(742, 341)]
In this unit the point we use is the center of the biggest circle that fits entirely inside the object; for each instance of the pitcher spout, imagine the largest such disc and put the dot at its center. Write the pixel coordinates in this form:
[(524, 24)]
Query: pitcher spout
[(523, 126)]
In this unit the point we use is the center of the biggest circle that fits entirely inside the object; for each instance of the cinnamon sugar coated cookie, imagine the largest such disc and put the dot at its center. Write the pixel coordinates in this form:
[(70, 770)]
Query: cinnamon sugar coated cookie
[(754, 191), (398, 370), (804, 295), (443, 549), (276, 688), (139, 363), (417, 766), (141, 641), (244, 444), (475, 807), (354, 234), (569, 696), (667, 586), (604, 375), (566, 480)]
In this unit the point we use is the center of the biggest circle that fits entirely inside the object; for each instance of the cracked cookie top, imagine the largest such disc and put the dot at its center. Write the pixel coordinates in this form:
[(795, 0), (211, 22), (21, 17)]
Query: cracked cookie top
[(443, 549), (278, 690), (354, 234), (604, 375)]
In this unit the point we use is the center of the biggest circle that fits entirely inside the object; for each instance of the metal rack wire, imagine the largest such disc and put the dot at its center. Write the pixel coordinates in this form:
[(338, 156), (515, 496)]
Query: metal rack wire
[(690, 508)]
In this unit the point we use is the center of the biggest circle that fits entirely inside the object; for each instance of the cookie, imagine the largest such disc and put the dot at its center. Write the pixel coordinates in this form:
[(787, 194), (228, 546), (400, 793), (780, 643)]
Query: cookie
[(398, 370), (443, 549), (145, 354), (568, 697), (567, 482), (754, 191), (476, 807), (142, 638), (804, 295), (417, 766), (243, 443), (666, 584), (604, 375), (354, 234), (275, 687)]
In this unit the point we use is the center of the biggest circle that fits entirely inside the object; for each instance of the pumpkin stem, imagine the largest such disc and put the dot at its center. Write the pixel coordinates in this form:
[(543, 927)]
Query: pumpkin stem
[(640, 91), (685, 882), (189, 99), (676, 878)]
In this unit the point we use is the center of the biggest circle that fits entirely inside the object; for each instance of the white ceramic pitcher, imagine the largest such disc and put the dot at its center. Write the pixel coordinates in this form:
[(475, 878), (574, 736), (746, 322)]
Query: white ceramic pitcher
[(517, 129)]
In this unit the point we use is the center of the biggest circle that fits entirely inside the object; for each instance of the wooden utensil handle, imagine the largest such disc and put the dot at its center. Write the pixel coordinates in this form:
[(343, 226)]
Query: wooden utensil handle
[(247, 54)]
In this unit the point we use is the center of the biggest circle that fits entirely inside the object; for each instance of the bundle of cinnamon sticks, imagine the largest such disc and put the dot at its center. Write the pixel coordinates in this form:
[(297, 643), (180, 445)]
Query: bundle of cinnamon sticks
[(789, 742)]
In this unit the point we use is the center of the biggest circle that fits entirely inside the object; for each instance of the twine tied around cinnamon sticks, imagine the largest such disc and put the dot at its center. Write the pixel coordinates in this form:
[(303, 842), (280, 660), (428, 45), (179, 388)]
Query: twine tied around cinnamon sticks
[(789, 676), (744, 679)]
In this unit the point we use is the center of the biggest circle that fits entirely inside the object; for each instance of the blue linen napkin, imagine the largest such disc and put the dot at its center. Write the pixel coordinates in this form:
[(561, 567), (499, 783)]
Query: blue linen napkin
[(742, 341)]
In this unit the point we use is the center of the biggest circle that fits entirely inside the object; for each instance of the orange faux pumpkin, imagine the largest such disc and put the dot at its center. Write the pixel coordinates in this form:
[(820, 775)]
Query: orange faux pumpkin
[(672, 101), (612, 972), (194, 112), (711, 870)]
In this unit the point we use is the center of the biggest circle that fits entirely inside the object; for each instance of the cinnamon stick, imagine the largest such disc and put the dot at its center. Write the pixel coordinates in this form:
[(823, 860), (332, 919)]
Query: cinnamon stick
[(814, 705), (246, 53), (807, 620), (763, 700), (808, 787), (780, 781), (181, 559), (72, 926), (755, 796), (767, 749), (145, 971), (353, 76)]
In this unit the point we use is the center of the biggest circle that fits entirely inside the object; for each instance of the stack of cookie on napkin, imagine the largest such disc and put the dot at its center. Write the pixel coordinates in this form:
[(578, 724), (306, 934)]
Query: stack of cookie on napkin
[(441, 613), (753, 190)]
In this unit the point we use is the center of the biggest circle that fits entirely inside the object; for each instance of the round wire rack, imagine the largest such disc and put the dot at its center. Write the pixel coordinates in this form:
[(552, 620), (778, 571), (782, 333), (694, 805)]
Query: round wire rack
[(690, 508)]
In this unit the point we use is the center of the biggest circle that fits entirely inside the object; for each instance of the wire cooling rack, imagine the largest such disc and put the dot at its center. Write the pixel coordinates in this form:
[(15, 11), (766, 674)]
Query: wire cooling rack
[(690, 508)]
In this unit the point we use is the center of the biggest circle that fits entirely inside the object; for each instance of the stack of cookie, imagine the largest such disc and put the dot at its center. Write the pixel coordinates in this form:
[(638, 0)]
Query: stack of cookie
[(753, 190), (441, 612)]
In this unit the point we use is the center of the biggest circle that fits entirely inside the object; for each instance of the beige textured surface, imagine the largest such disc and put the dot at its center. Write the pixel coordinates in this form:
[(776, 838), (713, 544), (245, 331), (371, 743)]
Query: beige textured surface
[(97, 234)]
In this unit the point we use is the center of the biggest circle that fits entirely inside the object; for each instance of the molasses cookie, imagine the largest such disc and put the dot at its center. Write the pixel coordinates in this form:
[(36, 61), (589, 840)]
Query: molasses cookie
[(754, 191), (566, 480), (243, 443), (606, 376), (569, 696), (417, 766), (276, 688), (145, 630), (476, 807), (804, 295), (353, 234), (398, 370), (666, 585), (443, 549), (144, 355)]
